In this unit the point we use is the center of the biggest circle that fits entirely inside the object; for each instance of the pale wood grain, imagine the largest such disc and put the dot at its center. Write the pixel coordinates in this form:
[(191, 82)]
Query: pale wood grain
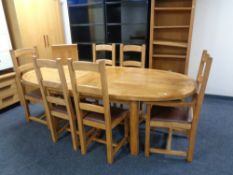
[(194, 108), (130, 84), (56, 98), (102, 110)]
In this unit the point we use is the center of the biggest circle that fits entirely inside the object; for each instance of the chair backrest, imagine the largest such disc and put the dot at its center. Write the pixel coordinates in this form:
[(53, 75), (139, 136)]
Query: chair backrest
[(97, 90), (202, 78), (104, 48), (132, 49), (55, 91), (22, 59), (65, 51)]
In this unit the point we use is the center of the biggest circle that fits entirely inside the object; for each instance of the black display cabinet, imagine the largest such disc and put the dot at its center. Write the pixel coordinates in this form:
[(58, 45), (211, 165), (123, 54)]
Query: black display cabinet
[(108, 21)]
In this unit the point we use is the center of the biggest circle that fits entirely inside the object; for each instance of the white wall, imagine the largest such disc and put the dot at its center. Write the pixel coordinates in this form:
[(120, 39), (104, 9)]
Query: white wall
[(213, 30), (5, 43), (66, 21)]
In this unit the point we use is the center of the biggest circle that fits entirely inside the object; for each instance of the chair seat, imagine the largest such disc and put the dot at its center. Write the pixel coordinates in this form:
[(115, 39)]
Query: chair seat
[(116, 113), (34, 95), (171, 114)]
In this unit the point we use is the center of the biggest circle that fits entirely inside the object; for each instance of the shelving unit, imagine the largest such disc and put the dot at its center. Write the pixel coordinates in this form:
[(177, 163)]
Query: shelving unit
[(107, 21), (170, 34)]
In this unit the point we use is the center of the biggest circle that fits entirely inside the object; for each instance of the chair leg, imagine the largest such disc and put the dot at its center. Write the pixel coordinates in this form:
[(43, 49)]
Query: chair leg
[(126, 128), (147, 138), (52, 127), (73, 134), (109, 146), (25, 105), (191, 146), (169, 139), (82, 138)]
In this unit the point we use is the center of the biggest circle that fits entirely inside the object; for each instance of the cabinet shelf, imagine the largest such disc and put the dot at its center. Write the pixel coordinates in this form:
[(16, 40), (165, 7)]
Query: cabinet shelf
[(171, 43), (125, 2), (169, 56), (86, 25), (85, 4), (172, 27), (125, 24), (173, 8)]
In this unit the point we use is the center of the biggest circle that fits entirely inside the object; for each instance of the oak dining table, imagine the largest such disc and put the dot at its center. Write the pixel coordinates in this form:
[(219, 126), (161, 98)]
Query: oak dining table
[(131, 86)]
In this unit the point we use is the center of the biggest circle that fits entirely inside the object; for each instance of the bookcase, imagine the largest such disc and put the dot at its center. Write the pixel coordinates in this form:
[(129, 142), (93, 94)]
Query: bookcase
[(107, 21), (171, 25)]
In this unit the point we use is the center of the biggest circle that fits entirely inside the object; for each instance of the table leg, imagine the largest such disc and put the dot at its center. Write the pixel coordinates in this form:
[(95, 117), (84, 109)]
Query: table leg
[(134, 124)]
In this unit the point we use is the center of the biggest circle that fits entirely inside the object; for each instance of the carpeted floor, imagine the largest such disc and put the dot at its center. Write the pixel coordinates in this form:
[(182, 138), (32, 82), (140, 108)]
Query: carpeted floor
[(26, 149)]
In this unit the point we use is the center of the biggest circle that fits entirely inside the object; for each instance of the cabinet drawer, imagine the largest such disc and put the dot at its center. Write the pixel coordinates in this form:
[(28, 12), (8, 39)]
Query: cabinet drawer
[(8, 90)]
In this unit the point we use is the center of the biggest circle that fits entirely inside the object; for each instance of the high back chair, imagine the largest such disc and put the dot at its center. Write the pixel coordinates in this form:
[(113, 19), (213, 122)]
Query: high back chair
[(22, 60), (56, 98), (180, 115), (132, 49), (99, 116), (104, 48), (65, 51)]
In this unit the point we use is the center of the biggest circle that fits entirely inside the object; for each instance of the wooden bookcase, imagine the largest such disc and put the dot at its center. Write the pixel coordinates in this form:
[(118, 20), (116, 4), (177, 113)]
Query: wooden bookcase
[(171, 34)]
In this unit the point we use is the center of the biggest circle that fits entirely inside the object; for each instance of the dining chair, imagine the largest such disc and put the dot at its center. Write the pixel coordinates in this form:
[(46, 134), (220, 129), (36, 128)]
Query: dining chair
[(22, 61), (179, 116), (100, 48), (132, 49), (65, 51), (99, 116), (56, 99)]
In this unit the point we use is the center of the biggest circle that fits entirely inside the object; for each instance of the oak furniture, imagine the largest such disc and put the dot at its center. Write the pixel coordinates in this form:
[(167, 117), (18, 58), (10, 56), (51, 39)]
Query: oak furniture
[(104, 49), (56, 99), (151, 85), (65, 51), (178, 116), (8, 90), (107, 21), (35, 23), (171, 28), (100, 116), (22, 60), (132, 49)]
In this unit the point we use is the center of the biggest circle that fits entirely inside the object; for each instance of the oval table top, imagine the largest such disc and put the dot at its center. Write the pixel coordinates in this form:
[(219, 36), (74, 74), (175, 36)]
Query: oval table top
[(129, 84)]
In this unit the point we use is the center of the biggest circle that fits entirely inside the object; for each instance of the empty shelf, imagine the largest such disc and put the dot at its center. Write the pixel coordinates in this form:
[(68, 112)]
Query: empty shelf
[(173, 8), (169, 56), (171, 43), (172, 27)]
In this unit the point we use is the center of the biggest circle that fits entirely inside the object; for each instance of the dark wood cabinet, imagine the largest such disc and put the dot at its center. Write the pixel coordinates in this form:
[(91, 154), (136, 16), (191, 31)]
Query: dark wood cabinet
[(108, 21)]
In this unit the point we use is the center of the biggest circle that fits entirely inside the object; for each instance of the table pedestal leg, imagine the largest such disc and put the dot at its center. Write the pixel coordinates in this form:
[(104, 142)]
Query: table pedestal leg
[(134, 124)]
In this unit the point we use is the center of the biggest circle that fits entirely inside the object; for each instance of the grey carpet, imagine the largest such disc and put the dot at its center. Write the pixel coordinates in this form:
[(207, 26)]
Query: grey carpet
[(26, 148)]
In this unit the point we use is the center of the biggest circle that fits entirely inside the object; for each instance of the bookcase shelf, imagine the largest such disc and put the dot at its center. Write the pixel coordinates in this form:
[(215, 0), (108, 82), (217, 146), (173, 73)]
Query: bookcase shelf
[(172, 27), (170, 43), (173, 9), (169, 56)]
